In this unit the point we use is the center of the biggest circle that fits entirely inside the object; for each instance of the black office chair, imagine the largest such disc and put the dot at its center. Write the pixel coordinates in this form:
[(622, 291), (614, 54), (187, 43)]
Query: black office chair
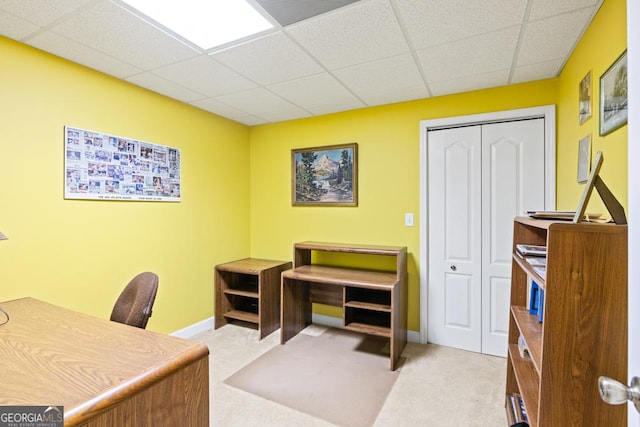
[(134, 304)]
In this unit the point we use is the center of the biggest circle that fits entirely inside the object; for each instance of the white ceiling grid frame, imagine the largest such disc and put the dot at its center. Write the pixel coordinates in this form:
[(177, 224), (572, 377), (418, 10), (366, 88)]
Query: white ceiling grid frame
[(370, 52), (452, 20), (482, 54), (81, 54), (206, 76), (546, 8), (261, 102), (318, 94), (165, 87), (273, 50), (551, 38), (385, 81), (44, 12), (470, 82), (527, 73), (16, 27), (115, 31), (360, 32)]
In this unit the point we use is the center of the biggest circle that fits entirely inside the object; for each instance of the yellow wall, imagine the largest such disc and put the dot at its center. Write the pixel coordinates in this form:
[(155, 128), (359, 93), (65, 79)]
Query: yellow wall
[(602, 43), (389, 169), (80, 254)]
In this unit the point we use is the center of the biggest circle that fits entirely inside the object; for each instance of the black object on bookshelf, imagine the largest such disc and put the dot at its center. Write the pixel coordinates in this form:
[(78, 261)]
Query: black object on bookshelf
[(612, 204)]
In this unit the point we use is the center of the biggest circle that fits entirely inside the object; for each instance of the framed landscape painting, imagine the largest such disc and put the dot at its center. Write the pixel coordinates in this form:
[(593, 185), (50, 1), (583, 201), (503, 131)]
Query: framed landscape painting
[(584, 103), (325, 176), (613, 96)]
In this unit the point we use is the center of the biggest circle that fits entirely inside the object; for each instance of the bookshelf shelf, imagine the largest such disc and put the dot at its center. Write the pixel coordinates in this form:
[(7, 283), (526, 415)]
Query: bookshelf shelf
[(584, 330)]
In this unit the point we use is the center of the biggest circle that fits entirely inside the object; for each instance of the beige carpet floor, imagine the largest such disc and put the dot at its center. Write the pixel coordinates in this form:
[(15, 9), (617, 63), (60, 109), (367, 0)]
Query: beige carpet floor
[(339, 376), (436, 386)]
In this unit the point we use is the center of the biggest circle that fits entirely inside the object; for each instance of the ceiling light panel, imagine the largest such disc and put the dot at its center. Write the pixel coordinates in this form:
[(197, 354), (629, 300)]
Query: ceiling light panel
[(205, 23)]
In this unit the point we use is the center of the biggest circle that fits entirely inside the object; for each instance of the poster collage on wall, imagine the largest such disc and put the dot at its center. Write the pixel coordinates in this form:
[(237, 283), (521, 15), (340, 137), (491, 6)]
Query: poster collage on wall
[(100, 166)]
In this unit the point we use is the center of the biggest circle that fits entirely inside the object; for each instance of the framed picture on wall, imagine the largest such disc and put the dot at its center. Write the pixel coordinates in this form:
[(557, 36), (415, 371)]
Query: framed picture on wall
[(613, 96), (584, 159), (325, 176), (584, 101)]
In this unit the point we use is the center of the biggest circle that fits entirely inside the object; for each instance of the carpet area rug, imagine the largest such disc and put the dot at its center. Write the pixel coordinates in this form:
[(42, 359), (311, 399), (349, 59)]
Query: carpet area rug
[(339, 376)]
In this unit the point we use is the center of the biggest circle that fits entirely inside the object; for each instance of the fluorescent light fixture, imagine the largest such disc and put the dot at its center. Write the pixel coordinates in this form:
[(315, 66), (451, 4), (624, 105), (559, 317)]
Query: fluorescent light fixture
[(206, 23)]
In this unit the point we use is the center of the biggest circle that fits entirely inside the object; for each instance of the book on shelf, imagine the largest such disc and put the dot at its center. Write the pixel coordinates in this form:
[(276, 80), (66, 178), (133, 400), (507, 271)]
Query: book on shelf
[(540, 312), (516, 412), (531, 250), (536, 261), (541, 271), (534, 298)]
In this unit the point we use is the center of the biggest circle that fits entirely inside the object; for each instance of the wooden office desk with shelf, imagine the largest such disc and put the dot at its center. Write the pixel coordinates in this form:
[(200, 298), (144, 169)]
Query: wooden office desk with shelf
[(104, 373), (373, 302), (584, 330)]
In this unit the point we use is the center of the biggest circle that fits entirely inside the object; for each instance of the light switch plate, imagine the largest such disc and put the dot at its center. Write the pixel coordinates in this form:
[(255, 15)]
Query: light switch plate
[(408, 219)]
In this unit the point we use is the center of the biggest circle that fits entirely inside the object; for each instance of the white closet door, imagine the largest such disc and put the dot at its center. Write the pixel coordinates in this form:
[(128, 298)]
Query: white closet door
[(454, 176), (512, 183), (479, 178)]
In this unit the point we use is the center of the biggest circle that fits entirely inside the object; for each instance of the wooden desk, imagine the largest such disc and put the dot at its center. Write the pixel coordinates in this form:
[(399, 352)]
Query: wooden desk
[(373, 302), (103, 373)]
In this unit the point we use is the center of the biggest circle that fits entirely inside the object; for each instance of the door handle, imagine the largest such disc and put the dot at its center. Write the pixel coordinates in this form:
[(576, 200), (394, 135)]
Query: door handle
[(453, 268), (616, 393)]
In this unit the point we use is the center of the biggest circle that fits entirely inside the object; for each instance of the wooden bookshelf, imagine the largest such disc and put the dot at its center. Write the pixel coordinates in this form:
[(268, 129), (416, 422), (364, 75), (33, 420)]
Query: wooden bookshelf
[(583, 334), (248, 291)]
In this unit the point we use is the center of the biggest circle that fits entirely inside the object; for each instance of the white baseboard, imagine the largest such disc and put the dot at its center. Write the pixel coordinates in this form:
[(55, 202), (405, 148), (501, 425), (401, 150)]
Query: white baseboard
[(195, 329), (320, 319)]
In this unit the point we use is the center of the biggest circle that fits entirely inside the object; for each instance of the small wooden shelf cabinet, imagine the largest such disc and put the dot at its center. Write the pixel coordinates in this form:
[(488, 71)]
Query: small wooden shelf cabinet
[(373, 301), (584, 330), (248, 290)]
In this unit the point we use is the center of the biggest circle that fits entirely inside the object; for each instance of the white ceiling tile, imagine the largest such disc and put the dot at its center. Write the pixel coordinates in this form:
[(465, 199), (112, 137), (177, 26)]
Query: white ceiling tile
[(76, 52), (469, 83), (257, 101), (164, 87), (262, 60), (545, 8), (250, 120), (114, 31), (361, 32), (204, 75), (463, 58), (552, 38), (542, 70), (431, 23), (279, 115), (384, 81), (42, 12), (316, 93), (217, 107), (14, 27)]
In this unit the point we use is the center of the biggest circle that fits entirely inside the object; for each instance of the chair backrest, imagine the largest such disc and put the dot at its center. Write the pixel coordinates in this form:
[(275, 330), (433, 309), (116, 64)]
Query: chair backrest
[(134, 304)]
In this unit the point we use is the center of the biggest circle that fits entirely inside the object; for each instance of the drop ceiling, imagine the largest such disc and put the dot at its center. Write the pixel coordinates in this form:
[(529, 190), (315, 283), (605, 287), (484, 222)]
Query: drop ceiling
[(322, 57)]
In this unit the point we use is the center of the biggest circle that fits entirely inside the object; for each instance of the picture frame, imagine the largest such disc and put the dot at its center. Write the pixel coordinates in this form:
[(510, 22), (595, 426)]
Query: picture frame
[(584, 159), (585, 103), (613, 96), (325, 176)]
